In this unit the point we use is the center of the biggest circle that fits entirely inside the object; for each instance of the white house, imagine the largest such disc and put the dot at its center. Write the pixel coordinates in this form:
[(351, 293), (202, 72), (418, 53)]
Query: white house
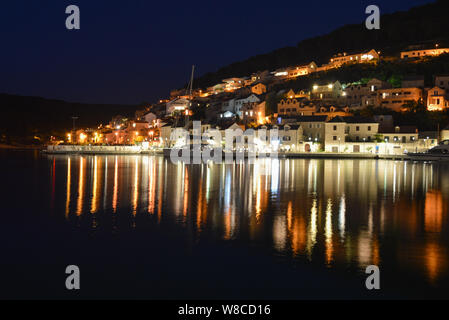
[(240, 102), (228, 105), (150, 117), (178, 104)]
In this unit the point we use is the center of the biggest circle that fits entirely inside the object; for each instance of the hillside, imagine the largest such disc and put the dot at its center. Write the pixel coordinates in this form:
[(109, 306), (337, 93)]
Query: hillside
[(419, 25), (392, 72), (24, 117)]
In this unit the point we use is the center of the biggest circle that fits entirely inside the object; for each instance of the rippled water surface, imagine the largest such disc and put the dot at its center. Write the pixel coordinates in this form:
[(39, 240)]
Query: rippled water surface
[(333, 217)]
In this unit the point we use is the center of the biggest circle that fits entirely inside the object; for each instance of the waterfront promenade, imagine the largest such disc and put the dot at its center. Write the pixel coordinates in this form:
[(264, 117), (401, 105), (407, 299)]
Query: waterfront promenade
[(135, 150)]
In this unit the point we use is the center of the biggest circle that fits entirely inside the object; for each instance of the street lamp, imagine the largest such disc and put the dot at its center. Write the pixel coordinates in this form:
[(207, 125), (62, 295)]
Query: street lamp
[(74, 120)]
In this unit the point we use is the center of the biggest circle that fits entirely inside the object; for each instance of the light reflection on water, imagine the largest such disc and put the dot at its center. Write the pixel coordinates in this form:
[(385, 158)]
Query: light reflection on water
[(340, 213)]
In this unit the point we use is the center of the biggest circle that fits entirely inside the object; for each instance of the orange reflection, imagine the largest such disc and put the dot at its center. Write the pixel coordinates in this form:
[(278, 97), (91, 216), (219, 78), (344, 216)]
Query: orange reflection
[(298, 232), (201, 214), (136, 186), (79, 208), (186, 192), (115, 192), (67, 203), (160, 189), (433, 211), (289, 215), (312, 232), (95, 198), (151, 186), (435, 261), (199, 208), (328, 233), (376, 252), (257, 181), (227, 224)]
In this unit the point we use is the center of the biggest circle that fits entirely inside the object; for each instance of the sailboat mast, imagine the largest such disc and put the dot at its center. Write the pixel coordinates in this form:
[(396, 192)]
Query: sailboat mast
[(191, 82)]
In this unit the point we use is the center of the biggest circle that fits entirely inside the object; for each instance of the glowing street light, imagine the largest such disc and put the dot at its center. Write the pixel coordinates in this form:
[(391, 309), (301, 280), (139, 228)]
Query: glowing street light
[(82, 137)]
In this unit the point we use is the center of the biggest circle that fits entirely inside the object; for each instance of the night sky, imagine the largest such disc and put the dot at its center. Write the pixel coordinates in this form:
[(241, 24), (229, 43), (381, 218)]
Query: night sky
[(134, 51)]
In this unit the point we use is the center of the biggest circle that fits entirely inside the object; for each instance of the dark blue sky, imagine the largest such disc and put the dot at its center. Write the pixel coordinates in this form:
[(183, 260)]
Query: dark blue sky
[(135, 50)]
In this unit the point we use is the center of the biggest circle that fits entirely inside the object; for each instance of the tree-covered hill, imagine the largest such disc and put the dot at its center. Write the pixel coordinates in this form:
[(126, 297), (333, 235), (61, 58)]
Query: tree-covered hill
[(392, 72), (24, 117)]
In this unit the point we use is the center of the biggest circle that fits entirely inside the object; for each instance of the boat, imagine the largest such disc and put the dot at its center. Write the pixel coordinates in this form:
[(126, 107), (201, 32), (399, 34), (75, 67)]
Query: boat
[(438, 153)]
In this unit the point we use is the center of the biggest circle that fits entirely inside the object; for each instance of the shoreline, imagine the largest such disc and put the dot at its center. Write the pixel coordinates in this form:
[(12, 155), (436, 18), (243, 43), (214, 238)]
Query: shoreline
[(137, 150), (20, 147)]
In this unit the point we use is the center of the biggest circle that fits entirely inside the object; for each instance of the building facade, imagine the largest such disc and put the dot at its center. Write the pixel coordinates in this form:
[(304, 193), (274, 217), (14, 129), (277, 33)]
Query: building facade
[(178, 104), (240, 102), (294, 107), (364, 94), (332, 112), (335, 135), (254, 112), (329, 93), (313, 127), (423, 53), (259, 88), (361, 129), (365, 57), (396, 98), (437, 99)]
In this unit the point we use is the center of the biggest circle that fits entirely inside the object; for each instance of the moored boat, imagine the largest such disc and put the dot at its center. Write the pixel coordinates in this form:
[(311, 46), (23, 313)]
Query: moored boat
[(438, 153)]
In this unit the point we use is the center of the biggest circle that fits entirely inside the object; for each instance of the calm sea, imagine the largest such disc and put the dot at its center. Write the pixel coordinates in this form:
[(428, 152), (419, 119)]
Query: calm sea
[(142, 227)]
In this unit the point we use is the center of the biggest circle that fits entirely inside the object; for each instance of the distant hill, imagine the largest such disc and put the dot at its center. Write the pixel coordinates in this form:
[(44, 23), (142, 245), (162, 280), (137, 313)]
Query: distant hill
[(23, 117), (420, 25)]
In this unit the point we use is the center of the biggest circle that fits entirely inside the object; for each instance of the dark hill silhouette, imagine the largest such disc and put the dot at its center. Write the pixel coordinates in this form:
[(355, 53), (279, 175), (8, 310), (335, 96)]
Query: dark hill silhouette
[(23, 117), (420, 25)]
